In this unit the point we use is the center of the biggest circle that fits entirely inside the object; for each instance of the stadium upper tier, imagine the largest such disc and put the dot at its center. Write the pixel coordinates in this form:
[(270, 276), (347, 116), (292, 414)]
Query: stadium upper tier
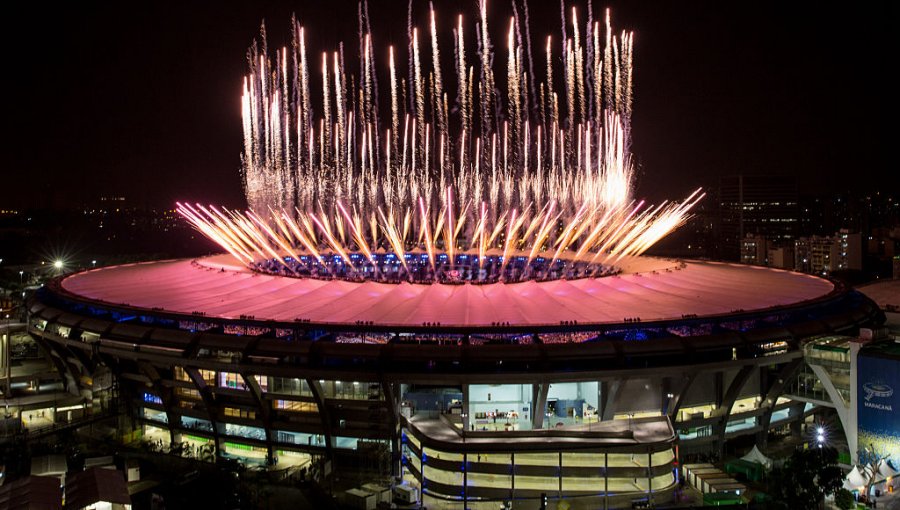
[(646, 290)]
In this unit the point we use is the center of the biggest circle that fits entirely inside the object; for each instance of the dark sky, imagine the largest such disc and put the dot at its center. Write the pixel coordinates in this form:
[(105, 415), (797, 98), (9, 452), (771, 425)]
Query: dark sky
[(142, 98)]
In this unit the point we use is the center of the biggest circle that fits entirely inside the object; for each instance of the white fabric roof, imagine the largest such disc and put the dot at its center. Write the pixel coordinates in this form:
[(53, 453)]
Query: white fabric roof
[(757, 456), (856, 478), (886, 470), (220, 287)]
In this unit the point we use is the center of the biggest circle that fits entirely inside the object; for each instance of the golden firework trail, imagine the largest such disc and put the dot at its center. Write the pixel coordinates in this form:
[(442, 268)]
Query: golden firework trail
[(438, 191)]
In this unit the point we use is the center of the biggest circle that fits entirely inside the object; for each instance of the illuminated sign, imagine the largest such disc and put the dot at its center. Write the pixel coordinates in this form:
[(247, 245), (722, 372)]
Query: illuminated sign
[(877, 403)]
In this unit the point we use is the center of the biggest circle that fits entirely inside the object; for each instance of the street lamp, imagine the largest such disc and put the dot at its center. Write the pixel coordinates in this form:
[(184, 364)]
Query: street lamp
[(21, 274), (93, 263), (58, 264)]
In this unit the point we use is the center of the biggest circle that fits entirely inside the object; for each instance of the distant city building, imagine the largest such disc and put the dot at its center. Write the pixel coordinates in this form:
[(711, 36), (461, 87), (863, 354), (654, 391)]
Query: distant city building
[(856, 212), (756, 204), (759, 251), (781, 257), (849, 251), (813, 254), (824, 254), (755, 250)]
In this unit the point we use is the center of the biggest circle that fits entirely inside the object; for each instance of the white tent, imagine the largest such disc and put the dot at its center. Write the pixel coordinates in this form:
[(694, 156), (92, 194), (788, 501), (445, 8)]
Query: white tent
[(757, 456), (886, 470), (856, 478), (849, 486)]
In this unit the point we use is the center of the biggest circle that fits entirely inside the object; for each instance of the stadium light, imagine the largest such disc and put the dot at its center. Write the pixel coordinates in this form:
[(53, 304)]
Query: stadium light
[(820, 436)]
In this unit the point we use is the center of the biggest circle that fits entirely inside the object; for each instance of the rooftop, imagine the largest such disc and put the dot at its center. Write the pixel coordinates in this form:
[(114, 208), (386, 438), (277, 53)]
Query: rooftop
[(649, 289)]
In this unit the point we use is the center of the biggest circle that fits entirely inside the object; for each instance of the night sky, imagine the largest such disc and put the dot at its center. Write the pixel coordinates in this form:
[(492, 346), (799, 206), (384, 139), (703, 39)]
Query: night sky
[(142, 99)]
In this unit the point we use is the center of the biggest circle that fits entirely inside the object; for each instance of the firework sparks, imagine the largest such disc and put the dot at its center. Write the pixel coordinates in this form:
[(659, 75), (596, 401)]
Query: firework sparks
[(533, 197)]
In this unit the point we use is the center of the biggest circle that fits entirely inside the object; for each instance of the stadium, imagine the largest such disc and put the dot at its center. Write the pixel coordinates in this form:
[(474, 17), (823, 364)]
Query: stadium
[(499, 391), (461, 301)]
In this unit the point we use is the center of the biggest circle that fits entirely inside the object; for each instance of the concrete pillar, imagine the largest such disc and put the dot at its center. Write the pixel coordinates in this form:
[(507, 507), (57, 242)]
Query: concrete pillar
[(719, 382), (539, 404)]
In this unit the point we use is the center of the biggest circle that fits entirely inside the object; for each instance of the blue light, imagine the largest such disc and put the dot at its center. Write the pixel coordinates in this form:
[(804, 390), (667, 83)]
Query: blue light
[(636, 334), (152, 399)]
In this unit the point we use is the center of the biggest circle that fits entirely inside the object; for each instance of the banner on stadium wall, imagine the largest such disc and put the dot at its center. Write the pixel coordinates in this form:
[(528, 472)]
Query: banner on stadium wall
[(878, 405)]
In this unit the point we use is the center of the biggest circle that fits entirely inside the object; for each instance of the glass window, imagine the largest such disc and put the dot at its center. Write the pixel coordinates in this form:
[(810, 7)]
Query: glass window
[(233, 429), (187, 393), (352, 390), (153, 414), (296, 406), (209, 376), (231, 380), (263, 382), (287, 386), (345, 442), (196, 423), (240, 413)]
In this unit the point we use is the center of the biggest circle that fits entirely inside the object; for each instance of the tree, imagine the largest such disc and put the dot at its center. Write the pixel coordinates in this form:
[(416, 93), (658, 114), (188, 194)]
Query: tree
[(844, 499), (871, 458), (804, 480)]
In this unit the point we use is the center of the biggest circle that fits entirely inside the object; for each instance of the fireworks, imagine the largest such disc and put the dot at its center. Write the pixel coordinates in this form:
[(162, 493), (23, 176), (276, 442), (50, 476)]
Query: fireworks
[(498, 188)]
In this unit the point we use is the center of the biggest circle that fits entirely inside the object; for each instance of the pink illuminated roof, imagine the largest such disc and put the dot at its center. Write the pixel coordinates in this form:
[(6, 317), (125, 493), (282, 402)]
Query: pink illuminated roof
[(652, 289)]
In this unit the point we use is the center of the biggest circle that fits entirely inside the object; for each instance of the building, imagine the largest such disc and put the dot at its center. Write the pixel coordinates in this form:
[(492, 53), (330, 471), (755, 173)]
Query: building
[(762, 205), (824, 254), (96, 488), (877, 398), (31, 492), (848, 251), (34, 393), (856, 377), (760, 251), (564, 385), (781, 257), (755, 250)]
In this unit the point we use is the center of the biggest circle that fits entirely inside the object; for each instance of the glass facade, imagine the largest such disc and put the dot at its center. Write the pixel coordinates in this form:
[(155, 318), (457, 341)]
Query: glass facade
[(506, 475), (196, 423), (351, 390), (287, 386), (236, 412), (500, 406), (299, 438), (231, 381), (294, 406), (257, 433)]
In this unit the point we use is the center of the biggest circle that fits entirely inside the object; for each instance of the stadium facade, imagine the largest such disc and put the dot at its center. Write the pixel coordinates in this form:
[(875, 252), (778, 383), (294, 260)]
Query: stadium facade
[(594, 387)]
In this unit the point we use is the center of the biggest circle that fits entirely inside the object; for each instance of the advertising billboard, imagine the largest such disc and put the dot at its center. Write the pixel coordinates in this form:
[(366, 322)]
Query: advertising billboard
[(878, 404)]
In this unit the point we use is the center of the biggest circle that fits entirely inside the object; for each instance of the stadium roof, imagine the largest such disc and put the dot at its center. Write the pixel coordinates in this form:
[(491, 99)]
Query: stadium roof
[(649, 289)]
